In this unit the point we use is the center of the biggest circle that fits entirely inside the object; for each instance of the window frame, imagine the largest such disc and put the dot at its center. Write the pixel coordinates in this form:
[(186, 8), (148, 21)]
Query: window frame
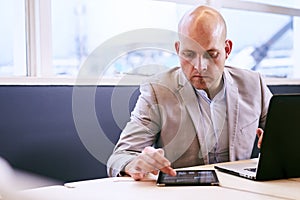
[(39, 40)]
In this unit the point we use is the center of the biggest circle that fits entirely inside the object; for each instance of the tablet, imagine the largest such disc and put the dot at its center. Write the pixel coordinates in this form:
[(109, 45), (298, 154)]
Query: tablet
[(188, 178)]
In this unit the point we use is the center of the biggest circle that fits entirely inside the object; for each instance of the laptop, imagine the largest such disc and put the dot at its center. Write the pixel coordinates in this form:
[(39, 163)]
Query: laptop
[(279, 156)]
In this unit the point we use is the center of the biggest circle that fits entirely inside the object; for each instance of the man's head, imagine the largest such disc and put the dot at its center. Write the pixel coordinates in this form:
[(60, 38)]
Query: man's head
[(203, 48)]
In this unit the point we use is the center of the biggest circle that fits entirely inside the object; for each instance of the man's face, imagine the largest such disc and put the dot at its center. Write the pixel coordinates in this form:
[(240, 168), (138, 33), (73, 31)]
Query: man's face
[(202, 59)]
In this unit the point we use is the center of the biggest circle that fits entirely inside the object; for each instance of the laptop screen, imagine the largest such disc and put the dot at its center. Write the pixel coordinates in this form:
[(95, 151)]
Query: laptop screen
[(280, 149)]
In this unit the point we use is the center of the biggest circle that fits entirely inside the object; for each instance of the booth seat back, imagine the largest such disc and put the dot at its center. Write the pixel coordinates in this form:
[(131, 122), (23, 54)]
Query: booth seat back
[(38, 132)]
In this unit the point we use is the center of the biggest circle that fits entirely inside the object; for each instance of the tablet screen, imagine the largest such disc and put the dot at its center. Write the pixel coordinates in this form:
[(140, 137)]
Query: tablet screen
[(188, 177)]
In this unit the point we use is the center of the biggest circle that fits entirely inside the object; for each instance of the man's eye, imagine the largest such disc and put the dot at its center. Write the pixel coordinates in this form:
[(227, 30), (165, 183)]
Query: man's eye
[(188, 54), (213, 54)]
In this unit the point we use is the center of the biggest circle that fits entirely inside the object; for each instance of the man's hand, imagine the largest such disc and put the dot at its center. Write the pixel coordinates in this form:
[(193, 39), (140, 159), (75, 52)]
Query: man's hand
[(149, 161), (259, 133)]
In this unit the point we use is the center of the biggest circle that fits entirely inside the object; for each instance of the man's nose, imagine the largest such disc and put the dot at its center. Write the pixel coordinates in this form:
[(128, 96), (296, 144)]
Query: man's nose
[(200, 64)]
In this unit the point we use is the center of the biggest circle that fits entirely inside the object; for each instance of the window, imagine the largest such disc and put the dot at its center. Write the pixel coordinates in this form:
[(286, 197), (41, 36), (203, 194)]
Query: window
[(12, 40), (66, 34), (260, 44), (84, 26), (282, 3)]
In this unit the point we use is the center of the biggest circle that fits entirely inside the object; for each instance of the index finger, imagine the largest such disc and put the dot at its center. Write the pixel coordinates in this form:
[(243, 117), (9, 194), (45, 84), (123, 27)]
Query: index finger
[(159, 161), (158, 156), (168, 170)]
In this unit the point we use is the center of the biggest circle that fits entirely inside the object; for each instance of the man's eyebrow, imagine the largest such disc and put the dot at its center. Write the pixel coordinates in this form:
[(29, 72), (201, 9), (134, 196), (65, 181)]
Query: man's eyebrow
[(207, 51), (188, 50), (210, 50)]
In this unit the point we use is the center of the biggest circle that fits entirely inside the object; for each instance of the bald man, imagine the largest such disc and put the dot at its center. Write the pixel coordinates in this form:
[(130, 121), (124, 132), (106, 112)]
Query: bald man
[(202, 112)]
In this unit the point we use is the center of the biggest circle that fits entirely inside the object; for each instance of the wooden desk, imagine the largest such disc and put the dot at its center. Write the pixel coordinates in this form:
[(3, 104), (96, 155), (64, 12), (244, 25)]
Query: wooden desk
[(286, 188), (231, 187)]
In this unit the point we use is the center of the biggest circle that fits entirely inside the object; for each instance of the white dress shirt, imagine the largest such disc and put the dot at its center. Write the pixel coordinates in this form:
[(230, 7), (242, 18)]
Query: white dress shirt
[(213, 113)]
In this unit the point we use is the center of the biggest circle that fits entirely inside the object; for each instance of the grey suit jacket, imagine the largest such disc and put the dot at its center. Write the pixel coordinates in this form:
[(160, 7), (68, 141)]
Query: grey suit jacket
[(167, 115)]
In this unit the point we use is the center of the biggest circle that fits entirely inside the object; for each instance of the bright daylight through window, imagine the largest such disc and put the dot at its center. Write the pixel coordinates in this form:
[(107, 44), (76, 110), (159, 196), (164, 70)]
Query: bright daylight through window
[(12, 40), (263, 41)]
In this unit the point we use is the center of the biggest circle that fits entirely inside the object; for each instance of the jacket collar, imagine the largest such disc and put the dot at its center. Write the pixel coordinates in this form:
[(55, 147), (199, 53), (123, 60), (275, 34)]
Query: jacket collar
[(188, 95)]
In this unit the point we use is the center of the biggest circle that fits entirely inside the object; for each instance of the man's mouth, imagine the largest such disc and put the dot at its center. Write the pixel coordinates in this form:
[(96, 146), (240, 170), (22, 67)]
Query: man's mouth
[(200, 76)]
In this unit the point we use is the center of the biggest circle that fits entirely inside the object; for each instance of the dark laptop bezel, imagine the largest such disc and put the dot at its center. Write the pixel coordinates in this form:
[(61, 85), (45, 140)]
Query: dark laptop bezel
[(281, 138), (280, 149)]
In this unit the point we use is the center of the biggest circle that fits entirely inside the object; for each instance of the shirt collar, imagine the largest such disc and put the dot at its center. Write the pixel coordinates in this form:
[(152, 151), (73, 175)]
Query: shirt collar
[(220, 95)]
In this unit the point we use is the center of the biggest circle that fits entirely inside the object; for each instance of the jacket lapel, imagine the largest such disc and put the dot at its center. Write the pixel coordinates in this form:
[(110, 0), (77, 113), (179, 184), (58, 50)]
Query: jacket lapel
[(189, 99), (232, 100)]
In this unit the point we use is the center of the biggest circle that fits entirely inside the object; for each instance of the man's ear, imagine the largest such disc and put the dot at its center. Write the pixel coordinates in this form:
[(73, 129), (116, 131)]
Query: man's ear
[(228, 47), (177, 47)]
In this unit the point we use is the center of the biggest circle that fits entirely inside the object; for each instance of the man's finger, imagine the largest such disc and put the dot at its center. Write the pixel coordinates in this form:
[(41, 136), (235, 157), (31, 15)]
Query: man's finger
[(137, 176), (148, 150), (259, 133), (168, 170), (161, 151), (155, 157)]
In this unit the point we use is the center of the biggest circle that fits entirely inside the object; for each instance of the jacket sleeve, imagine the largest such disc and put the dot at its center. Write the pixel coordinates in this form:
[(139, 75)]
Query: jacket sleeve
[(266, 97), (141, 131)]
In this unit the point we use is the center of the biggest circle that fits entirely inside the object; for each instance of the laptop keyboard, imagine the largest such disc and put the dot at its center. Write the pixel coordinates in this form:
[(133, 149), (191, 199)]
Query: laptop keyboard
[(252, 169)]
